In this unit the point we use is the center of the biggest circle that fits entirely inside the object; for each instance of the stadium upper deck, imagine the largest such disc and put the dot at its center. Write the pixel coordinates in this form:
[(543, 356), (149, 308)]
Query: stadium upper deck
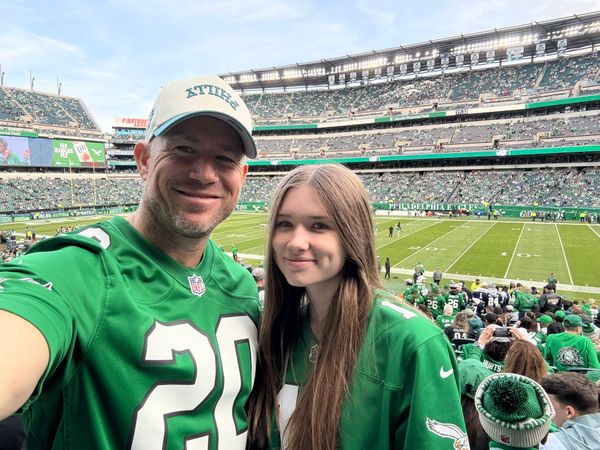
[(46, 113), (525, 43)]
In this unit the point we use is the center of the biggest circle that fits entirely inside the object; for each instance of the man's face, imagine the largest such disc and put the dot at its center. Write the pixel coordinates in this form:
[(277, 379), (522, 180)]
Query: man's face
[(193, 175)]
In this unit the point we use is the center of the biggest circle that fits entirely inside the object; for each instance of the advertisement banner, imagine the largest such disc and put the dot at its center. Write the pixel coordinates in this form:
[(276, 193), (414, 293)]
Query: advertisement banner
[(77, 154)]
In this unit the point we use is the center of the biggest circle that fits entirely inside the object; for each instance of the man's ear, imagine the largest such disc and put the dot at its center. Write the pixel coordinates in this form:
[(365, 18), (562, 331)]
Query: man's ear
[(141, 153), (570, 412)]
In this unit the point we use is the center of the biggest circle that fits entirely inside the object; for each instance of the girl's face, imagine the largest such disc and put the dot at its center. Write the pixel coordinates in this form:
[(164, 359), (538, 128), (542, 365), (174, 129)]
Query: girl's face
[(307, 249)]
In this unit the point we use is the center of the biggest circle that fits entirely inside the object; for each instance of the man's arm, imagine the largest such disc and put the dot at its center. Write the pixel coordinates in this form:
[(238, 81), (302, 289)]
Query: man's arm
[(24, 357)]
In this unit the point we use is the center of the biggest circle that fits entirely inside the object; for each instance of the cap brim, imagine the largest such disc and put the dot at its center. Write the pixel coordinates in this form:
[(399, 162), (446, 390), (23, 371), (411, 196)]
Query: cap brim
[(247, 141)]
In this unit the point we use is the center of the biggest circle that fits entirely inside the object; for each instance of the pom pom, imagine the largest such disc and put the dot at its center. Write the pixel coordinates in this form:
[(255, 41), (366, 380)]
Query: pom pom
[(507, 395)]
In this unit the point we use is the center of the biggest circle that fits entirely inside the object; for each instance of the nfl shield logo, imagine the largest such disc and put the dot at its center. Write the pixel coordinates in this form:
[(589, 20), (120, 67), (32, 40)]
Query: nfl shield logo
[(197, 285), (505, 439)]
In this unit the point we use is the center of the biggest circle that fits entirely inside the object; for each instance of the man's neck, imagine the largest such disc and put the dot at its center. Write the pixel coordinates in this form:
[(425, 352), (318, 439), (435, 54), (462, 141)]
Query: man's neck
[(186, 251)]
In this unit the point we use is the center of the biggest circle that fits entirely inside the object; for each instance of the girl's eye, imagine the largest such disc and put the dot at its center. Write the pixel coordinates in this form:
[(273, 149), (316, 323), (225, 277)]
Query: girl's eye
[(283, 224), (321, 226)]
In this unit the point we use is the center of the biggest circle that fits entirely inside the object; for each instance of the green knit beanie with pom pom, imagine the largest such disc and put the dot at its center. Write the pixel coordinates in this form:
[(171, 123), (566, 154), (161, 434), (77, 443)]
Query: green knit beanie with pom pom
[(514, 410)]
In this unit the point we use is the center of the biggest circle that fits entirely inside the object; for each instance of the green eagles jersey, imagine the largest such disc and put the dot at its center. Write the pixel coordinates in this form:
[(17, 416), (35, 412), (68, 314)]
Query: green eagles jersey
[(443, 321), (436, 305), (471, 351), (524, 301), (404, 392), (144, 353), (457, 300), (566, 350)]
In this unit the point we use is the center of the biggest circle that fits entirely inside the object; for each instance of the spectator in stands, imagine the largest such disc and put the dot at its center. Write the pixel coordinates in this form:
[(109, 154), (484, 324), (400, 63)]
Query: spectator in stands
[(549, 301), (514, 410), (575, 400), (319, 313), (570, 349), (471, 373), (491, 347), (444, 320), (259, 277), (475, 323), (525, 359), (459, 329), (552, 281), (554, 328), (91, 322)]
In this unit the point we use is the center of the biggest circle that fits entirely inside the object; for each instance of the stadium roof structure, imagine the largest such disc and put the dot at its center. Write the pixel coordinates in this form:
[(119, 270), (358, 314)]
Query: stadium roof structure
[(537, 40)]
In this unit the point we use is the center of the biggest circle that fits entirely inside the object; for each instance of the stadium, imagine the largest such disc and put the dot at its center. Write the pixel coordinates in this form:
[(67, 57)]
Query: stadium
[(501, 124), (481, 157)]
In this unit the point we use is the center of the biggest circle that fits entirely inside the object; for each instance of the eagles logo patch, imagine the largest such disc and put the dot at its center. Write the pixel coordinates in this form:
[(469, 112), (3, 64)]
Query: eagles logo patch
[(450, 431)]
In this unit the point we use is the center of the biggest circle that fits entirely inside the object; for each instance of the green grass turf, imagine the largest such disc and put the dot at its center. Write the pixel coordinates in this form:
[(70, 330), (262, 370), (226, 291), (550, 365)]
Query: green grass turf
[(465, 247)]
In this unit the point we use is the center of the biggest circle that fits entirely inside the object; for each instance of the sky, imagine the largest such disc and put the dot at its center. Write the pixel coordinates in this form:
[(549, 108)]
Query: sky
[(115, 54)]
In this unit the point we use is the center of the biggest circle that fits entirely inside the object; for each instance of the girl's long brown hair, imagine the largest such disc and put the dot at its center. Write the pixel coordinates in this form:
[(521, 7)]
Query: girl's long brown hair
[(346, 202), (524, 358)]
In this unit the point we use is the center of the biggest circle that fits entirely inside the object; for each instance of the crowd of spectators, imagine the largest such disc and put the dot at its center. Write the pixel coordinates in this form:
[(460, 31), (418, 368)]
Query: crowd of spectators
[(20, 105), (547, 187), (427, 89), (552, 131), (550, 343)]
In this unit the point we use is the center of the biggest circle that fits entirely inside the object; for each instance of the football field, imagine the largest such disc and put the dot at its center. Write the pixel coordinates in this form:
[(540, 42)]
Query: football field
[(499, 251), (464, 249)]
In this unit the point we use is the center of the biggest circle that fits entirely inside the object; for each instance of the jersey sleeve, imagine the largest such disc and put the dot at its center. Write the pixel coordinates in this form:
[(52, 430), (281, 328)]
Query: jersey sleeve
[(435, 420), (53, 291)]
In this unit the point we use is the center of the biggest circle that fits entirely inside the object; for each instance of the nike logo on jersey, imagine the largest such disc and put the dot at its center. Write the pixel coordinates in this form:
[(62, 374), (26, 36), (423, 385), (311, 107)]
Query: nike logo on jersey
[(445, 373)]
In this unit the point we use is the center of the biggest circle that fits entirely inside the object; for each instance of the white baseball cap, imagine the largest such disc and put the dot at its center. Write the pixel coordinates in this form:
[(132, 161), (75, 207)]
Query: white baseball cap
[(201, 96)]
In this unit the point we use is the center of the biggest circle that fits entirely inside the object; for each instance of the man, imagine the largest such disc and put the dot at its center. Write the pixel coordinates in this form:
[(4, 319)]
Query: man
[(435, 301), (525, 301), (549, 301), (456, 298), (437, 276), (259, 277), (552, 281), (575, 401), (445, 319), (388, 267), (475, 285), (140, 333), (419, 270), (568, 350)]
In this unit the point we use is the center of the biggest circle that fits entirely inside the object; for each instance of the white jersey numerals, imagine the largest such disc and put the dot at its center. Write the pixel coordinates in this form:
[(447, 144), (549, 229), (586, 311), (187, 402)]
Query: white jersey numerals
[(98, 235), (149, 430)]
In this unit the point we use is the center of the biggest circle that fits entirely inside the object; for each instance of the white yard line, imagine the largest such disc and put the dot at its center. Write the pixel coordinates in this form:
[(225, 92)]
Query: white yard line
[(432, 242), (564, 255), (469, 247), (514, 251), (405, 235), (595, 232)]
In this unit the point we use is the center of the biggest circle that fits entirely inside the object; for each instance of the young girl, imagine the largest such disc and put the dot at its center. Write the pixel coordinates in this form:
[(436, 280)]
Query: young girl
[(342, 365)]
